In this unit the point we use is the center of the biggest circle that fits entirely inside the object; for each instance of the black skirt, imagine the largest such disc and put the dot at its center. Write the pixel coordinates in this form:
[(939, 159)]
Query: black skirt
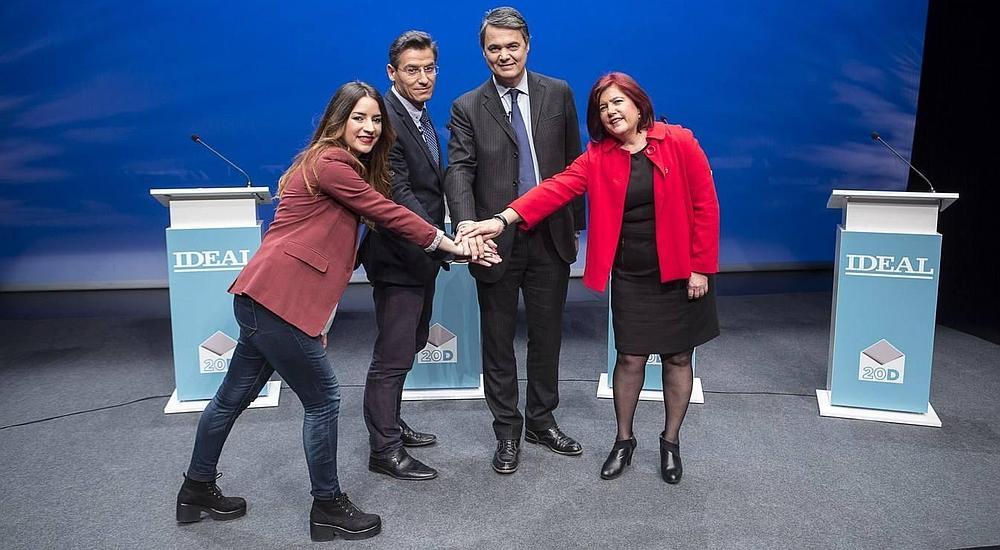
[(653, 317)]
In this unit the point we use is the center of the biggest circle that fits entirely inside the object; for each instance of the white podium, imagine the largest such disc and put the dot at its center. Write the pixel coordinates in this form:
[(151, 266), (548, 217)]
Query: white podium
[(884, 307), (212, 235)]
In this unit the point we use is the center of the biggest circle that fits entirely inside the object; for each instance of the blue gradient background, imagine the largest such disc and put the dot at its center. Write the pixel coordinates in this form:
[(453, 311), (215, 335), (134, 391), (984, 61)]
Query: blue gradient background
[(98, 99)]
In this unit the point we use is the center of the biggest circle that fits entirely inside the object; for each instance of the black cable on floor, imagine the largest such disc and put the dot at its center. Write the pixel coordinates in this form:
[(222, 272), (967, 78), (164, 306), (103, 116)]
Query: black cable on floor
[(720, 392), (40, 420), (285, 387)]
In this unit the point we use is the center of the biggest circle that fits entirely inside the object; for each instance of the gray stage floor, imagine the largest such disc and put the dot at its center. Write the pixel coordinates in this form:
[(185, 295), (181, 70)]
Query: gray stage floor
[(761, 470)]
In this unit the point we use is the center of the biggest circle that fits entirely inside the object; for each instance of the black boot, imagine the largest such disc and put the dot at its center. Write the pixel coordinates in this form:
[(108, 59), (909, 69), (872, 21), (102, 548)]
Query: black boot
[(620, 456), (196, 497), (670, 461), (340, 517)]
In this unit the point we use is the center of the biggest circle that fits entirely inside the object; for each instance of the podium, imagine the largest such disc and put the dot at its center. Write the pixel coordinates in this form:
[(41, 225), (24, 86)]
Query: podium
[(212, 235), (884, 307), (451, 364)]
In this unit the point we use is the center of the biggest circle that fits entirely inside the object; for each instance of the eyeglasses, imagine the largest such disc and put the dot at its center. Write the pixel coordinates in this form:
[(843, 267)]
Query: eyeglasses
[(412, 71)]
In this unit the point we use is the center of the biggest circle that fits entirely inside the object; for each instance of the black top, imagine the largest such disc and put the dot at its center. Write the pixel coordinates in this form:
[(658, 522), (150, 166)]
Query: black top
[(637, 245)]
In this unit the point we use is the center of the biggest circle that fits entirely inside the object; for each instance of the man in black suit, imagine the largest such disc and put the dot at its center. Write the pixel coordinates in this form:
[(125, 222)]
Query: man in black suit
[(508, 134), (401, 273)]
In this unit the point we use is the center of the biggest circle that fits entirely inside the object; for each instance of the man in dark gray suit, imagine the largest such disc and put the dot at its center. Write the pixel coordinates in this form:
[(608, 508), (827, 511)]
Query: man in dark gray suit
[(401, 273), (508, 134)]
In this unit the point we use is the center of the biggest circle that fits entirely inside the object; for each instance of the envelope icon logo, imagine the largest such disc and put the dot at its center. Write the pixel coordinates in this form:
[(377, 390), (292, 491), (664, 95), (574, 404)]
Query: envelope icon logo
[(882, 362), (442, 346), (215, 353)]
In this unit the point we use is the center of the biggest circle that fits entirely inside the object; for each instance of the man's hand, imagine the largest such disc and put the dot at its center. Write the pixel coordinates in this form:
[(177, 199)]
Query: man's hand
[(475, 234), (462, 251)]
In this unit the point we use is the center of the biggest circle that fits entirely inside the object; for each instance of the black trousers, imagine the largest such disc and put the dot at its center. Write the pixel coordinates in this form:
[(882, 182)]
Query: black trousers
[(402, 314), (535, 269)]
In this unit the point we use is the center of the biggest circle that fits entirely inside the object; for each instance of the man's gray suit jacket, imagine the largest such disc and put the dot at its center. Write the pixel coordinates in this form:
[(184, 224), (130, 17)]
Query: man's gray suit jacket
[(482, 174)]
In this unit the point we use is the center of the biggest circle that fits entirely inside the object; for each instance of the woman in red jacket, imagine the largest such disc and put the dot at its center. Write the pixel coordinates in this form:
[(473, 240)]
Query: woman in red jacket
[(287, 295), (654, 228)]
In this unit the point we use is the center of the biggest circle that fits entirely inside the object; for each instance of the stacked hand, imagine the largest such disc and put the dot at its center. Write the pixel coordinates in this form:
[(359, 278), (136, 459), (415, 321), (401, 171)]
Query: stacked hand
[(478, 236), (485, 256)]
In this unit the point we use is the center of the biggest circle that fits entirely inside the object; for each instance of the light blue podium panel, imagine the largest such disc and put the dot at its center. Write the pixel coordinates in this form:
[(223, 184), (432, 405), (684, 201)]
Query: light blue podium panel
[(882, 340), (202, 265), (652, 387), (452, 358), (213, 233), (884, 307)]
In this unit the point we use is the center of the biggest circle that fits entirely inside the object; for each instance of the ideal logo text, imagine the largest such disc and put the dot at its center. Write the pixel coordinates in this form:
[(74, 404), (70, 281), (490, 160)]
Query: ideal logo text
[(903, 267), (210, 260)]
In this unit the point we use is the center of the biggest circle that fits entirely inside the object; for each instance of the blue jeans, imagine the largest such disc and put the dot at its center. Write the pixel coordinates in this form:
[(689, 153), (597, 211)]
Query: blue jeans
[(267, 344)]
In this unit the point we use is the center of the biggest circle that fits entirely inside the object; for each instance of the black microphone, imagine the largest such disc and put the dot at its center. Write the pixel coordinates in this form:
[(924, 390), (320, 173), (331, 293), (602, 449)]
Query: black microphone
[(879, 139), (195, 138)]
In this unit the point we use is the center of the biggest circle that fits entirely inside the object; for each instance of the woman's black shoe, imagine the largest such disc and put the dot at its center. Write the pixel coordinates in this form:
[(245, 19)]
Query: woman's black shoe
[(670, 461), (620, 456), (196, 497), (339, 517)]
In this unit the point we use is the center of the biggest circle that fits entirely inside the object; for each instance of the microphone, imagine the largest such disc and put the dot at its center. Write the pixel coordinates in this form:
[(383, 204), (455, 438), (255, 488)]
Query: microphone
[(197, 139), (878, 138)]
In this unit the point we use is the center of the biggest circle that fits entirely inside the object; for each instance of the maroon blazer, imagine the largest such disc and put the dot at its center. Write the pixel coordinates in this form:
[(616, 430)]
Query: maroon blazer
[(307, 255)]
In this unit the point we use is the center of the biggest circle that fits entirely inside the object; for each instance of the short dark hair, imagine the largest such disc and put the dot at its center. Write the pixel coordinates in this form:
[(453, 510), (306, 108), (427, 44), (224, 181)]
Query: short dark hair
[(417, 40), (505, 18), (631, 89)]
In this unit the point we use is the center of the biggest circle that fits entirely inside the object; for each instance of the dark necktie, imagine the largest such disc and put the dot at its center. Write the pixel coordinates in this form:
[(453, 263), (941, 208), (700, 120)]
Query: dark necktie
[(430, 138), (526, 165)]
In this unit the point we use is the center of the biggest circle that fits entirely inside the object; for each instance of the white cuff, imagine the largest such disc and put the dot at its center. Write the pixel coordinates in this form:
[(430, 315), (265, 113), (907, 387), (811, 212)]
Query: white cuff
[(436, 242)]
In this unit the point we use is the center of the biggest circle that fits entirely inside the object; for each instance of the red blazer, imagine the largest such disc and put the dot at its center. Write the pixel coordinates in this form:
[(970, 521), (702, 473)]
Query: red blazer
[(307, 255), (685, 205)]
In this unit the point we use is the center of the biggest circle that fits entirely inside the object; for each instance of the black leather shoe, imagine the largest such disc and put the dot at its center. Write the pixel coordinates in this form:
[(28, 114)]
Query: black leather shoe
[(505, 458), (555, 440), (339, 517), (618, 459), (415, 439), (401, 465), (196, 497), (670, 461)]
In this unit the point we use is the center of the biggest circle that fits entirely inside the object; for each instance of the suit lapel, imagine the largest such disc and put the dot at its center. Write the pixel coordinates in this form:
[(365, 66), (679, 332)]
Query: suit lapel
[(536, 96), (404, 115), (491, 102)]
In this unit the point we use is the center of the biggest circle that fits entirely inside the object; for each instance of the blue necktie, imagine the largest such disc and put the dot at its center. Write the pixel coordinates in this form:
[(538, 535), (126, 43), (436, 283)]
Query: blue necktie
[(430, 138), (526, 165)]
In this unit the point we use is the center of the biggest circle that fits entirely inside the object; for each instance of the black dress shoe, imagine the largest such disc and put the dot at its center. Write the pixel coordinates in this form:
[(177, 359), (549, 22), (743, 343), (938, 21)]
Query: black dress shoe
[(670, 461), (555, 440), (415, 439), (339, 517), (196, 497), (620, 456), (401, 465), (505, 458)]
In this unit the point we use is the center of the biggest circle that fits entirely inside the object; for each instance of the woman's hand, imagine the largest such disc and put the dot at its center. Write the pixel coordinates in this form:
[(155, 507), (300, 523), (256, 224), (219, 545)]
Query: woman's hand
[(697, 286), (473, 234), (488, 257)]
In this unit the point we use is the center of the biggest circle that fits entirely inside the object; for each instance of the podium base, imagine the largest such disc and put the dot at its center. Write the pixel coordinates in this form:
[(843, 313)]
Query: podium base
[(175, 405), (433, 394), (604, 391), (929, 418)]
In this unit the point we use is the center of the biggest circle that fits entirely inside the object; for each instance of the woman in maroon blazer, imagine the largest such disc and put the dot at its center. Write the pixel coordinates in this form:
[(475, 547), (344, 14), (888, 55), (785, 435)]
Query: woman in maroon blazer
[(654, 228), (286, 297)]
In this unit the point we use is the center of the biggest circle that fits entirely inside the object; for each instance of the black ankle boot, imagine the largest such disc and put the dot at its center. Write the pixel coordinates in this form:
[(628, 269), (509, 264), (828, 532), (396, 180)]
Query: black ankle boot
[(670, 461), (196, 497), (620, 456), (340, 517)]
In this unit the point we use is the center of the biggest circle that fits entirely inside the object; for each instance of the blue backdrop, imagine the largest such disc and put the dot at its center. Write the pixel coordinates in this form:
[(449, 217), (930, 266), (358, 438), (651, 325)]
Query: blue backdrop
[(98, 100)]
